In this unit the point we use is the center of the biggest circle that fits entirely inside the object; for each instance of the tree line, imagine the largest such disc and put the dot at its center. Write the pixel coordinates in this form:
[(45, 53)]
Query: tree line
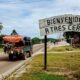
[(37, 40)]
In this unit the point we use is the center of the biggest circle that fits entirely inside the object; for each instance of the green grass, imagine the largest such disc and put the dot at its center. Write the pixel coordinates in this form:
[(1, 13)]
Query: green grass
[(39, 76), (64, 48), (1, 49), (60, 63)]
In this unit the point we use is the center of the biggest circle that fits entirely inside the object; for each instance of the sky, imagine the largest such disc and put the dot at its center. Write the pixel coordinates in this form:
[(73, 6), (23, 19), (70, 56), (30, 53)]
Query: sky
[(24, 15)]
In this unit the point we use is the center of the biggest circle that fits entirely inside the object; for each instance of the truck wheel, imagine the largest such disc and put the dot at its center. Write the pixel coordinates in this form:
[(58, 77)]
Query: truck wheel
[(30, 54), (10, 57), (22, 56)]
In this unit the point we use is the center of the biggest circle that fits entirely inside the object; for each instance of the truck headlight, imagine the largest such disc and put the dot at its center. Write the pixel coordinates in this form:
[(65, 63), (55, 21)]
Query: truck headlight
[(21, 51), (11, 52)]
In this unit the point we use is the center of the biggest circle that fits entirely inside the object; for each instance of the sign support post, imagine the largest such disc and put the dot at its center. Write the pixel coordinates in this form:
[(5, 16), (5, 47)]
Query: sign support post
[(45, 52)]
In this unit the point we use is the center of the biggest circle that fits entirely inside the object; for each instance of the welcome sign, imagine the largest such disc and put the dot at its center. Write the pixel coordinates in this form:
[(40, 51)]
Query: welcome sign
[(61, 23)]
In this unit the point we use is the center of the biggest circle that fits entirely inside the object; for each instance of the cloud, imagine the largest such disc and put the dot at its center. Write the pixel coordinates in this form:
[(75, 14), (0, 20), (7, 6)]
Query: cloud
[(24, 15)]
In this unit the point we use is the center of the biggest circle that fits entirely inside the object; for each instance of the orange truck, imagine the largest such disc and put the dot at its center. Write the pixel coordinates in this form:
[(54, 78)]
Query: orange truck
[(17, 47)]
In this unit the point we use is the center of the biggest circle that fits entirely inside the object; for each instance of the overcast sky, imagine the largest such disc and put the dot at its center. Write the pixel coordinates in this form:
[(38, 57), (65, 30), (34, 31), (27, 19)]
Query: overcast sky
[(24, 15)]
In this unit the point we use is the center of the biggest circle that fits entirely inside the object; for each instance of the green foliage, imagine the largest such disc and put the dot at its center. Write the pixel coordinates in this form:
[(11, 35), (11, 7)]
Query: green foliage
[(36, 40), (1, 27), (1, 38), (70, 34), (52, 40)]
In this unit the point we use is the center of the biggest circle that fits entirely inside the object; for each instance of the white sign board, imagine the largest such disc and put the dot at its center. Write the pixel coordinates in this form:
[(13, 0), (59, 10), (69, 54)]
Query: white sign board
[(59, 24)]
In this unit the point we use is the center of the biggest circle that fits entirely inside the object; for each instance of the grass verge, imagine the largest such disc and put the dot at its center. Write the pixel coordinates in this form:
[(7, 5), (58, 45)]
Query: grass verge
[(59, 65), (63, 48)]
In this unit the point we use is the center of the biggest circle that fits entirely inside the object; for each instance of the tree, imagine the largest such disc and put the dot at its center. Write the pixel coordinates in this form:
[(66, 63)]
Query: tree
[(36, 40), (74, 35), (52, 40), (1, 38), (1, 27)]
